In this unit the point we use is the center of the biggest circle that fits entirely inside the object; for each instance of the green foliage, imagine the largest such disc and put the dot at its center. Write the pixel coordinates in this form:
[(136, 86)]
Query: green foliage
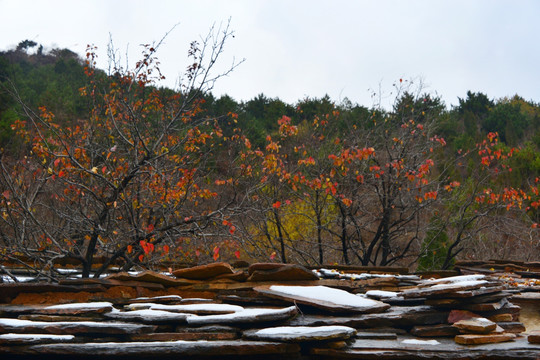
[(434, 246)]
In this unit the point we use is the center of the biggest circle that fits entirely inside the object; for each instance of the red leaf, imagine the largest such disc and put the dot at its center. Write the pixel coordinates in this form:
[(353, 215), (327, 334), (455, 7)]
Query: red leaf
[(141, 257), (276, 205), (150, 227), (56, 162), (166, 249), (237, 254)]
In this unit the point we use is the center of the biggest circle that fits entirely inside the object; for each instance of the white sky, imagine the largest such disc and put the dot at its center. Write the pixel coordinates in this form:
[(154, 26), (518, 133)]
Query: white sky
[(299, 48)]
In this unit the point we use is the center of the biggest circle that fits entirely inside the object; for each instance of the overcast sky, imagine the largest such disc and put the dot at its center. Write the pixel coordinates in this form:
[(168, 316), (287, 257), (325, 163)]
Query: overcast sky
[(308, 48)]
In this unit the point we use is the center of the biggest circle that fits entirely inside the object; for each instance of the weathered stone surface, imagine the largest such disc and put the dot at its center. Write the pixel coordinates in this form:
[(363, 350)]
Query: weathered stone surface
[(288, 272), (527, 296), (57, 318), (301, 333), (77, 309), (199, 309), (263, 267), (166, 299), (71, 327), (439, 330), (485, 306), (477, 326), (247, 316), (150, 277), (501, 318), (172, 348), (472, 293), (453, 290), (376, 335), (186, 336), (457, 315), (534, 337), (323, 297), (204, 272), (12, 290), (236, 276), (512, 326), (395, 317), (27, 339), (446, 349), (475, 339), (148, 316)]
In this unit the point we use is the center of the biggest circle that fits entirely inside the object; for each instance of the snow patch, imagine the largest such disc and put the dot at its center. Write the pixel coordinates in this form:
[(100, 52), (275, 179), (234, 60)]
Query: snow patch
[(304, 330), (327, 294), (420, 342)]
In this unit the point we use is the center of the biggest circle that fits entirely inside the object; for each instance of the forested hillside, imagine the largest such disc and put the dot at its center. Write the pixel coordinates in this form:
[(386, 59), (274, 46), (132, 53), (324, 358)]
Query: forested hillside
[(110, 168)]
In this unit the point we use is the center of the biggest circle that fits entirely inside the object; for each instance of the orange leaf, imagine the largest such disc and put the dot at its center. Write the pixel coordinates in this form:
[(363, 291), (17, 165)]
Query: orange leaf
[(141, 257), (129, 249), (166, 249), (276, 205)]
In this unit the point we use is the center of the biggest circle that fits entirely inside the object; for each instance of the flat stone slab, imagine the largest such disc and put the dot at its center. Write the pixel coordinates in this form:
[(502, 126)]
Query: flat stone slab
[(204, 272), (57, 318), (166, 299), (77, 309), (200, 309), (301, 333), (457, 289), (323, 297), (169, 348), (288, 272), (72, 327), (477, 325), (445, 349), (27, 339), (149, 277), (485, 306), (186, 336), (439, 330), (148, 316), (396, 317), (534, 337), (475, 339), (246, 316), (512, 326)]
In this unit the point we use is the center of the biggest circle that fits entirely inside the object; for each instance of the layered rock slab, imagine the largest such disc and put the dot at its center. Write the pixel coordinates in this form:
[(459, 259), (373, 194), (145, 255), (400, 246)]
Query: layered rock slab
[(301, 333), (169, 348), (326, 298)]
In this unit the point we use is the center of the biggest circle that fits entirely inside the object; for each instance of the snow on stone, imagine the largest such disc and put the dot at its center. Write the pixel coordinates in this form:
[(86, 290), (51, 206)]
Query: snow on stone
[(246, 315), (464, 283), (455, 279), (381, 294), (420, 342), (90, 305), (36, 337), (204, 307), (21, 279), (327, 294), (304, 330), (332, 273), (164, 297), (147, 315), (16, 323)]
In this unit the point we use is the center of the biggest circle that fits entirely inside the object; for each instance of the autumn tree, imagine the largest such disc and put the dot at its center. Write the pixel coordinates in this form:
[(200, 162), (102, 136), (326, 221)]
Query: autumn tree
[(126, 182)]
